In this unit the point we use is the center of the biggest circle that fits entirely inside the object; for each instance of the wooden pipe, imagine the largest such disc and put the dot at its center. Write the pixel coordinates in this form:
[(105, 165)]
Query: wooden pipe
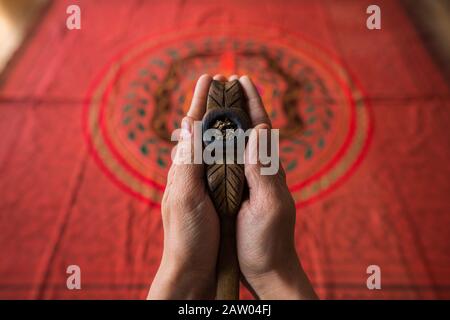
[(226, 181)]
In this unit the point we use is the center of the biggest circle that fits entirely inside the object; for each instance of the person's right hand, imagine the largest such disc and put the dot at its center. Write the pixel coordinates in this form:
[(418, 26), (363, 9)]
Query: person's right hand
[(266, 221)]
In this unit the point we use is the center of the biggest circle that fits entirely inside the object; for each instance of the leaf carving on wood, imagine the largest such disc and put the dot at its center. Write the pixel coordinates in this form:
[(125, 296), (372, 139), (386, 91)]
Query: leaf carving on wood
[(226, 179), (226, 110), (226, 184)]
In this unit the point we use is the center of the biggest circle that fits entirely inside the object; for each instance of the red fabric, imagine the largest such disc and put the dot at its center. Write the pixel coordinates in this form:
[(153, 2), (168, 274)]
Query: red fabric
[(63, 203)]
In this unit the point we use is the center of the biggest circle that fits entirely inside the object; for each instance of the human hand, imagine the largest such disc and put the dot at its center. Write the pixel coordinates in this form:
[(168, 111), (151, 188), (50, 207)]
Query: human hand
[(190, 221), (265, 225), (266, 222)]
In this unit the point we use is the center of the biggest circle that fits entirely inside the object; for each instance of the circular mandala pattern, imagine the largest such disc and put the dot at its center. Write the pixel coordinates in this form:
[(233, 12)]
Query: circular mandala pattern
[(141, 96)]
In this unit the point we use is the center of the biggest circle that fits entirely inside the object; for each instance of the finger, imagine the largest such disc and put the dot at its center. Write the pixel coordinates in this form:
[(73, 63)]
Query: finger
[(185, 170), (198, 104), (253, 165), (233, 77), (256, 110), (220, 77)]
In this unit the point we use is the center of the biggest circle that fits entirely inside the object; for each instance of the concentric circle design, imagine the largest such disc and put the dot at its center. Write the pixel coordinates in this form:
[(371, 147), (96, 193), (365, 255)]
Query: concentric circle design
[(141, 96)]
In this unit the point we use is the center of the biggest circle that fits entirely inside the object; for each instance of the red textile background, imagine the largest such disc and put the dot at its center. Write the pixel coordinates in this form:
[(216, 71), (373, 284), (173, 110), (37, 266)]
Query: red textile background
[(59, 207)]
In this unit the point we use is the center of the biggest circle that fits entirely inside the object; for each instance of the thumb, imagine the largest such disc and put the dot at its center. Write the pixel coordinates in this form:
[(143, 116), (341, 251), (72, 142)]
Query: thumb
[(253, 163), (187, 168)]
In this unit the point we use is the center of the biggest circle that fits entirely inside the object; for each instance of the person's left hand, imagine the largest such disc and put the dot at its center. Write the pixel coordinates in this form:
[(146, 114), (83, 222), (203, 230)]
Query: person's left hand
[(190, 221)]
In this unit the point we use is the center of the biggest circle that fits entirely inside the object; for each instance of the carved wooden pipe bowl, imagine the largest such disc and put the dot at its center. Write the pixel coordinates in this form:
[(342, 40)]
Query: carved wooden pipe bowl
[(226, 181)]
